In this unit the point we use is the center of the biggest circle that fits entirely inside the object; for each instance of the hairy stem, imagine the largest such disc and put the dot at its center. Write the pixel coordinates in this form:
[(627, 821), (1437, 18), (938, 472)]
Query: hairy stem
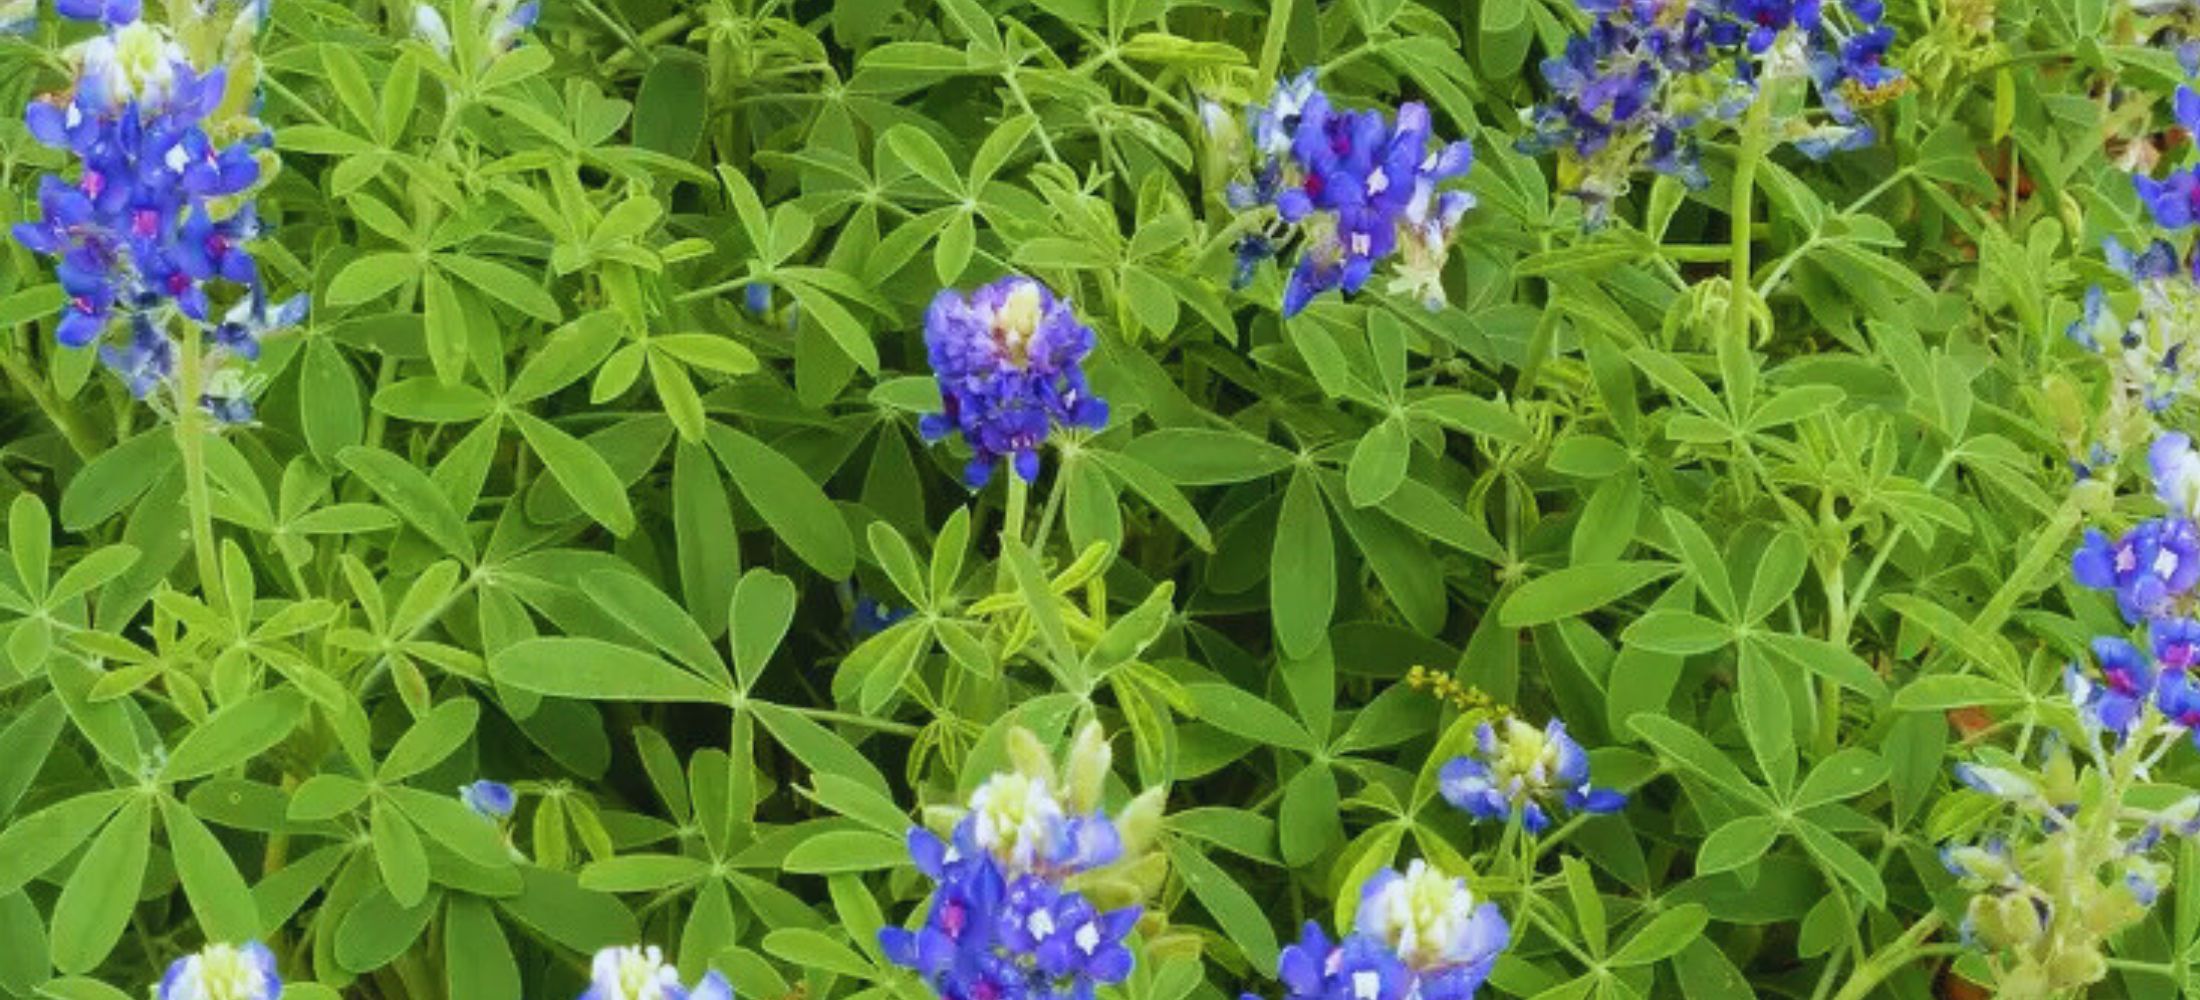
[(191, 433)]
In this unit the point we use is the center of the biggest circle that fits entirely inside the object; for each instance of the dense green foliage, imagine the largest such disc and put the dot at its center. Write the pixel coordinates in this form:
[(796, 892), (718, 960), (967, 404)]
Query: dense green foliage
[(537, 494)]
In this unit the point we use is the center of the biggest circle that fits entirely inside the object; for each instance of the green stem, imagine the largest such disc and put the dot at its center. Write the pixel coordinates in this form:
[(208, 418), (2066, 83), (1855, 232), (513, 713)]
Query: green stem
[(654, 34), (1012, 520), (1891, 960), (1053, 505), (191, 444), (65, 419), (828, 715), (1748, 154)]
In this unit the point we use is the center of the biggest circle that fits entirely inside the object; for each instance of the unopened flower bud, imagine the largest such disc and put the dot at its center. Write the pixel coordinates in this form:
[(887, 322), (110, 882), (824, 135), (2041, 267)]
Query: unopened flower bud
[(428, 26), (1140, 821), (1086, 774), (1029, 755), (2074, 966)]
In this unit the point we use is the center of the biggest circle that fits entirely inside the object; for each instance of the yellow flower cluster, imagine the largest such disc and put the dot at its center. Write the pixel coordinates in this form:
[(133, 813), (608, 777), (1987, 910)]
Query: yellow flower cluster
[(1445, 688)]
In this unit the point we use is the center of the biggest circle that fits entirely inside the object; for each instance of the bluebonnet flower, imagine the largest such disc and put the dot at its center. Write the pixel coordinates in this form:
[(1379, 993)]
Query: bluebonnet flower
[(1005, 922), (1352, 188), (1010, 363), (1637, 89), (152, 221), (113, 12), (429, 27), (1998, 782), (641, 973), (2146, 351), (252, 320), (1418, 934), (1527, 771), (2174, 201), (2127, 683), (1018, 819), (489, 799), (223, 972), (985, 938), (2175, 468), (2177, 697), (869, 617), (1987, 864), (1431, 921), (757, 297), (2149, 568), (500, 23), (18, 17)]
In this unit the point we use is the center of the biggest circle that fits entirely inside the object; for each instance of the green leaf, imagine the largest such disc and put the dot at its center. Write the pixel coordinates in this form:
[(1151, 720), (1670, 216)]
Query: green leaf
[(435, 737), (584, 474), (702, 350), (488, 971), (1473, 415), (858, 802), (453, 826), (1663, 937), (799, 513), (899, 561), (1826, 660), (815, 949), (1681, 633), (1308, 822), (1155, 489), (644, 873), (818, 748), (763, 608), (1378, 464), (848, 333), (115, 477), (846, 851), (1302, 570), (235, 734), (1940, 692), (398, 854), (427, 400), (1705, 565), (37, 842), (409, 492), (219, 897), (443, 316), (30, 544), (78, 988), (672, 103), (328, 401), (571, 667), (1243, 923), (1779, 570), (1741, 841), (379, 929), (1766, 719), (95, 904), (916, 149), (1845, 775), (1233, 711), (1845, 862), (372, 276), (1577, 590), (1683, 746), (528, 295), (326, 796), (648, 613), (555, 905), (1191, 456), (1039, 599)]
